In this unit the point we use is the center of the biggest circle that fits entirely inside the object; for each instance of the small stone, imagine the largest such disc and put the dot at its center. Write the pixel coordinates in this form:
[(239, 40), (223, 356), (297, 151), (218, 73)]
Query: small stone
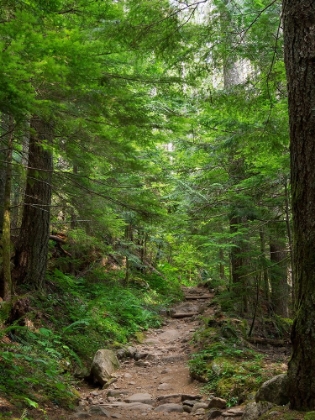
[(200, 412), (142, 363), (116, 392), (170, 398), (97, 410), (164, 387), (213, 413), (216, 402), (131, 351), (199, 405), (191, 397), (190, 403), (140, 355), (83, 415), (233, 412), (170, 408), (121, 353), (187, 408), (140, 398), (138, 406), (94, 393)]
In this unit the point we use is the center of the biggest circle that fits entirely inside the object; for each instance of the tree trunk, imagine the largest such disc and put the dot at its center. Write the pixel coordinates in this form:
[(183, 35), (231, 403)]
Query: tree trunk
[(278, 277), (32, 248), (299, 46), (5, 132), (6, 224), (239, 281), (263, 266), (18, 180)]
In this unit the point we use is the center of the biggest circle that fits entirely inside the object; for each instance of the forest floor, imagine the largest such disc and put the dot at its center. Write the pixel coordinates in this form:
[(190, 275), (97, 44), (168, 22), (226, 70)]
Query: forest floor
[(158, 376)]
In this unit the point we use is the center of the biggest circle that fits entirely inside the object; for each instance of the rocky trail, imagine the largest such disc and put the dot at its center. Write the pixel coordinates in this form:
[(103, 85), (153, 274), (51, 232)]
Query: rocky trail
[(153, 380)]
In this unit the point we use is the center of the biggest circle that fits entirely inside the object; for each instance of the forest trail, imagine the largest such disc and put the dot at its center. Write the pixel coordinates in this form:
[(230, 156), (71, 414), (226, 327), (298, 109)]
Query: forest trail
[(157, 377)]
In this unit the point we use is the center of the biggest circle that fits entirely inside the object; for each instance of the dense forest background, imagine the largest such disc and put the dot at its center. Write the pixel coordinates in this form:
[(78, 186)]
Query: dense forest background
[(144, 145)]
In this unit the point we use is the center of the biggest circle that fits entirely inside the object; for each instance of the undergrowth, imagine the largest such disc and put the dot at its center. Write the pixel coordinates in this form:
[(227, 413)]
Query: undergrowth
[(225, 364), (43, 361)]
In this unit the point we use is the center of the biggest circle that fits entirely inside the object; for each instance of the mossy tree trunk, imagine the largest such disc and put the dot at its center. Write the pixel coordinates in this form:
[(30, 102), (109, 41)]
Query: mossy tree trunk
[(6, 222), (32, 247), (299, 46)]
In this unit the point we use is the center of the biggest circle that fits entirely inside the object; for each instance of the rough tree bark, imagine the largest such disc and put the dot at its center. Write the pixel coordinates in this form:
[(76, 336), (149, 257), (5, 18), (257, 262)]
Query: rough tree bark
[(32, 246), (278, 271), (6, 222), (299, 46)]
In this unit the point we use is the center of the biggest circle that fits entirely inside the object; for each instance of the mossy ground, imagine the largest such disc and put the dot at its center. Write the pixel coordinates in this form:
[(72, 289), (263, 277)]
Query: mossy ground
[(45, 355), (226, 362)]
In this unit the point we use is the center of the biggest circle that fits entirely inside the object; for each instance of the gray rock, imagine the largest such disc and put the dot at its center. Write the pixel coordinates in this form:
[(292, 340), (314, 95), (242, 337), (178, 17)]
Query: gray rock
[(254, 410), (190, 403), (170, 408), (191, 397), (199, 405), (105, 362), (187, 408), (98, 410), (164, 387), (233, 412), (216, 402), (251, 412), (143, 398), (116, 392), (170, 398), (131, 351), (138, 406), (142, 363), (274, 390), (200, 412), (121, 354), (213, 413), (140, 355)]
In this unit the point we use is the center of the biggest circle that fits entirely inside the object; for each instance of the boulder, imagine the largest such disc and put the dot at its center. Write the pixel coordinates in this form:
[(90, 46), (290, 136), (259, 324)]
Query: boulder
[(274, 390), (255, 410), (105, 362)]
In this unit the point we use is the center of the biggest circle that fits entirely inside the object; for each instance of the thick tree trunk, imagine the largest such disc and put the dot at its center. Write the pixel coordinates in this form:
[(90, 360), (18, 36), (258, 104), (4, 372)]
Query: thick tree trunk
[(32, 246), (299, 37)]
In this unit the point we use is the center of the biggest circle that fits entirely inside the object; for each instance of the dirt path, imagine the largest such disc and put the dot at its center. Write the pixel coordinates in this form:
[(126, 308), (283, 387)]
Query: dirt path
[(155, 376)]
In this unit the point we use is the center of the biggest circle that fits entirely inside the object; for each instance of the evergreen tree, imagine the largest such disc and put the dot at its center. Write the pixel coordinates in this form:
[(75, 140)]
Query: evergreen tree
[(299, 21)]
